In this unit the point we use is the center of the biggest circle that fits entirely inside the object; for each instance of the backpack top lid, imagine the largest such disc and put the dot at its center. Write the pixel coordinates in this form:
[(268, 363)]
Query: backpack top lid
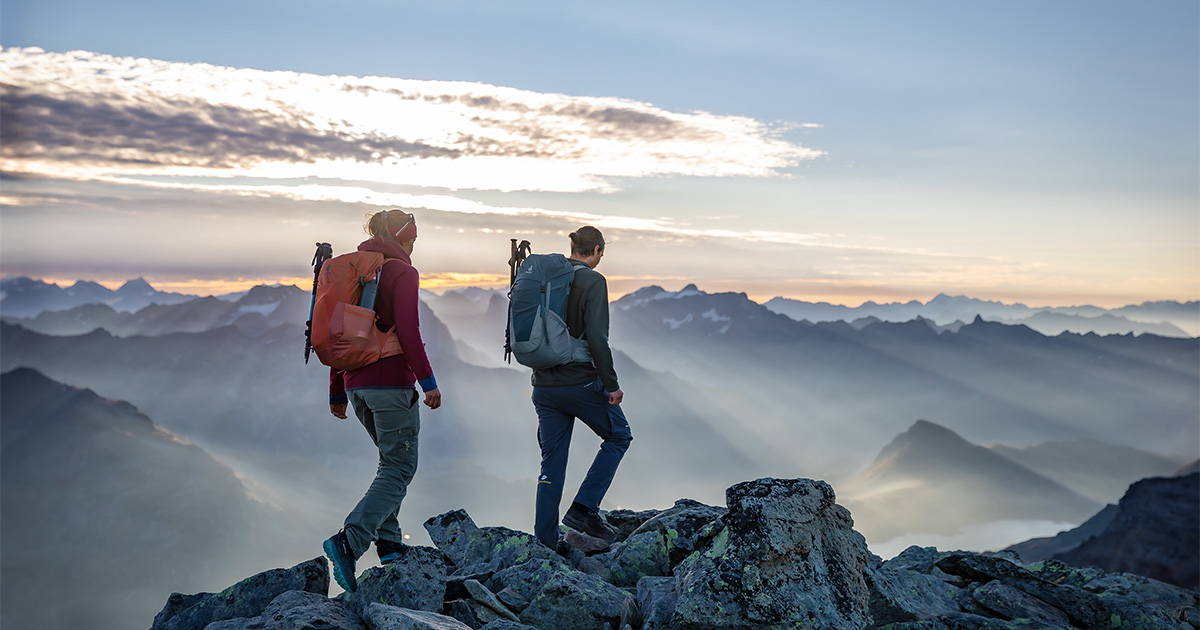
[(545, 279)]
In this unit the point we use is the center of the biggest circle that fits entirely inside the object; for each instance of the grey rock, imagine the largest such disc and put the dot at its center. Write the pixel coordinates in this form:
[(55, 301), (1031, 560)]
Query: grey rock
[(589, 545), (1013, 604), (679, 526), (481, 594), (784, 554), (504, 624), (297, 610), (512, 599), (625, 522), (476, 550), (177, 603), (454, 583), (642, 554), (656, 598), (899, 594), (251, 596), (526, 580), (1123, 589), (967, 621), (461, 610), (451, 532), (572, 600), (416, 580), (381, 617), (483, 613)]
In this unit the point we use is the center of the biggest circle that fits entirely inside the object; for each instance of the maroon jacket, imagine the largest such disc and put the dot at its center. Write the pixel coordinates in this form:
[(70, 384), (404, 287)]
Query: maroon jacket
[(395, 305)]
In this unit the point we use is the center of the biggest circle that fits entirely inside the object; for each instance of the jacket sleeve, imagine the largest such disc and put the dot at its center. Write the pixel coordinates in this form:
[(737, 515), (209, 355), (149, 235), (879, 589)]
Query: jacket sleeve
[(337, 388), (595, 326), (408, 329)]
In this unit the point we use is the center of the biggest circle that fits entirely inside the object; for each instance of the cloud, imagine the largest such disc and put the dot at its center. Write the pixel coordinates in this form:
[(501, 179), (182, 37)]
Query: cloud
[(81, 115)]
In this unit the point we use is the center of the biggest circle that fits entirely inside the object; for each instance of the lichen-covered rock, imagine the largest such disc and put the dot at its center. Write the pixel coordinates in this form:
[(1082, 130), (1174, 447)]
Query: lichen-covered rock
[(297, 610), (573, 600), (461, 610), (451, 532), (785, 555), (251, 596), (679, 526), (415, 580), (511, 598), (967, 621), (475, 550), (526, 579), (656, 599), (481, 594), (381, 617), (176, 603), (1010, 603), (899, 594), (625, 522), (640, 555), (504, 624)]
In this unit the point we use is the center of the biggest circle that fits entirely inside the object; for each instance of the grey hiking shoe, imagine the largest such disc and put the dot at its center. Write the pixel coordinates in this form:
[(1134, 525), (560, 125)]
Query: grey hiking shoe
[(588, 521), (337, 548)]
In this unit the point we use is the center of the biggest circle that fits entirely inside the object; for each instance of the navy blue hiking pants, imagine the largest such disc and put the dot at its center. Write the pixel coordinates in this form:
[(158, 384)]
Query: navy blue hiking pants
[(557, 409)]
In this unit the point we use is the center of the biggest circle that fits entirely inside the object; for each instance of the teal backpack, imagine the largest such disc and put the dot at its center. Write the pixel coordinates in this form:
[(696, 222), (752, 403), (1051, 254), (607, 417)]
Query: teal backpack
[(537, 332)]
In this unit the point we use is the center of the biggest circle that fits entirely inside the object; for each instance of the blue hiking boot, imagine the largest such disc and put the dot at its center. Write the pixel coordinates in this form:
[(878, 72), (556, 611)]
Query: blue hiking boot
[(337, 549), (388, 551)]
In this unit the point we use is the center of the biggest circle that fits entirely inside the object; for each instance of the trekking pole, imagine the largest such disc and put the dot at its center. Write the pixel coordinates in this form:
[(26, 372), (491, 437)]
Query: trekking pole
[(324, 253), (518, 254)]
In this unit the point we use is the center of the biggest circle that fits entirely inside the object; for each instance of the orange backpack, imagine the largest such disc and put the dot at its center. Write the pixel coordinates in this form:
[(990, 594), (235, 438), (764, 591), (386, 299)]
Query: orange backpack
[(343, 313)]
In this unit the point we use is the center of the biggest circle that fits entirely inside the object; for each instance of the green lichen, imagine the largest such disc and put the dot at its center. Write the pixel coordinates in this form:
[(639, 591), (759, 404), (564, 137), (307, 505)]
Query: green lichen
[(719, 544), (1115, 621)]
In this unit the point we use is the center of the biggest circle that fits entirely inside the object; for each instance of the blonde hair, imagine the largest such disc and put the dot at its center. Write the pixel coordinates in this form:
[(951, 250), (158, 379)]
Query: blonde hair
[(386, 222)]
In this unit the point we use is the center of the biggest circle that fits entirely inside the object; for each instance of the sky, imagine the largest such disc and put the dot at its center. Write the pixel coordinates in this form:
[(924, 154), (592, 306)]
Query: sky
[(1038, 152)]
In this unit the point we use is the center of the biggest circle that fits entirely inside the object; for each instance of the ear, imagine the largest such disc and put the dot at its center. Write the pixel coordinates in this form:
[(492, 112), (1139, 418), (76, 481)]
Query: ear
[(596, 252)]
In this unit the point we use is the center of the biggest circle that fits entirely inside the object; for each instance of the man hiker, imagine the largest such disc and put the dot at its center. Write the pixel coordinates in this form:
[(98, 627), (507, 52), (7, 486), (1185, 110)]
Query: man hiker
[(385, 399), (585, 390)]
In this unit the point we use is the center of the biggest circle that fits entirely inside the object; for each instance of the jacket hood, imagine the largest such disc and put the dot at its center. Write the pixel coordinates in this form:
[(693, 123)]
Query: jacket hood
[(385, 246)]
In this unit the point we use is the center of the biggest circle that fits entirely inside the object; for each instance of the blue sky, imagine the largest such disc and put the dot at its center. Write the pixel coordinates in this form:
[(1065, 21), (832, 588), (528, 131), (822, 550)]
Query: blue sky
[(1023, 151)]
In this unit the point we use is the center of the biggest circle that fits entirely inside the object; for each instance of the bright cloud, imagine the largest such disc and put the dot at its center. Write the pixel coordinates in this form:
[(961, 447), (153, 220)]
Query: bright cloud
[(80, 115)]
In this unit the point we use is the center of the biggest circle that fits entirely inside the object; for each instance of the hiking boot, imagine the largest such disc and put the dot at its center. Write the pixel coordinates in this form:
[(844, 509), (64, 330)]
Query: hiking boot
[(388, 551), (586, 520), (337, 548)]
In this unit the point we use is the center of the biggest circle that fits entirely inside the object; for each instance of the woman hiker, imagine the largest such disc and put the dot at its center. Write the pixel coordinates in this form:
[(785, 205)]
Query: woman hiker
[(385, 400)]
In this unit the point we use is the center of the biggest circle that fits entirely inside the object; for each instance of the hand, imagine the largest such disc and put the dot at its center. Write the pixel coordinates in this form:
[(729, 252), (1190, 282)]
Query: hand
[(615, 398), (433, 398), (338, 411)]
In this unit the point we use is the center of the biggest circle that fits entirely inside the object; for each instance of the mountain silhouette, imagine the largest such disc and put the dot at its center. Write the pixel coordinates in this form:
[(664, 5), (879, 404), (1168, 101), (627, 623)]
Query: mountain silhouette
[(1101, 472), (101, 509), (24, 297), (931, 480)]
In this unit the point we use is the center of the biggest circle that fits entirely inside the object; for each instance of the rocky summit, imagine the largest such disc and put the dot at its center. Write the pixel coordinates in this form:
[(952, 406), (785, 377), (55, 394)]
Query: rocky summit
[(782, 555)]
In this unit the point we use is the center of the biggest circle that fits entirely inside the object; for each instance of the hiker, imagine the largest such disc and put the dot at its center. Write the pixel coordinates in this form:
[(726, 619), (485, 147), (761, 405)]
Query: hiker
[(385, 399), (585, 390)]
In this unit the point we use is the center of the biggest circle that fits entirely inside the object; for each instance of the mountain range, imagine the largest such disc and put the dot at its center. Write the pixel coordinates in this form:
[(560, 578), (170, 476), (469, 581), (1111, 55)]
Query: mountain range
[(26, 297), (1168, 319), (102, 508)]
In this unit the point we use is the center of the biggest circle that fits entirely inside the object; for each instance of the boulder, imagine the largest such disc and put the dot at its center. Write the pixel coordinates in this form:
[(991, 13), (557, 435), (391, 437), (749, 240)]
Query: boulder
[(381, 617), (900, 594), (656, 599), (451, 532), (475, 550), (481, 594), (642, 554), (589, 545), (415, 580), (679, 526), (504, 624), (1010, 603), (297, 610), (785, 555), (625, 522), (247, 598), (572, 600)]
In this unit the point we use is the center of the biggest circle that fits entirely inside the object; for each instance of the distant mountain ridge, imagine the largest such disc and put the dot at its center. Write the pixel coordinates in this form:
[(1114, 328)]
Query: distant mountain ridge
[(1168, 319), (930, 480), (25, 297), (85, 477)]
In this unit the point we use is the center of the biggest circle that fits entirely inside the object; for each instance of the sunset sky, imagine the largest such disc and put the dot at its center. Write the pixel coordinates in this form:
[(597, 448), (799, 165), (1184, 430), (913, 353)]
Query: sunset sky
[(1041, 152)]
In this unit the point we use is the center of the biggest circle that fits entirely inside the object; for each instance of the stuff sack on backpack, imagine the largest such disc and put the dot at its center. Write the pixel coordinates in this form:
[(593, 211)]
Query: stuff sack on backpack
[(344, 334), (538, 334)]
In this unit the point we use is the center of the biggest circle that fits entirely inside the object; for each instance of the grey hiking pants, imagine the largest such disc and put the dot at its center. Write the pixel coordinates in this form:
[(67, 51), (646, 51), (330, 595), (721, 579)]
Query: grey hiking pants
[(391, 418)]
